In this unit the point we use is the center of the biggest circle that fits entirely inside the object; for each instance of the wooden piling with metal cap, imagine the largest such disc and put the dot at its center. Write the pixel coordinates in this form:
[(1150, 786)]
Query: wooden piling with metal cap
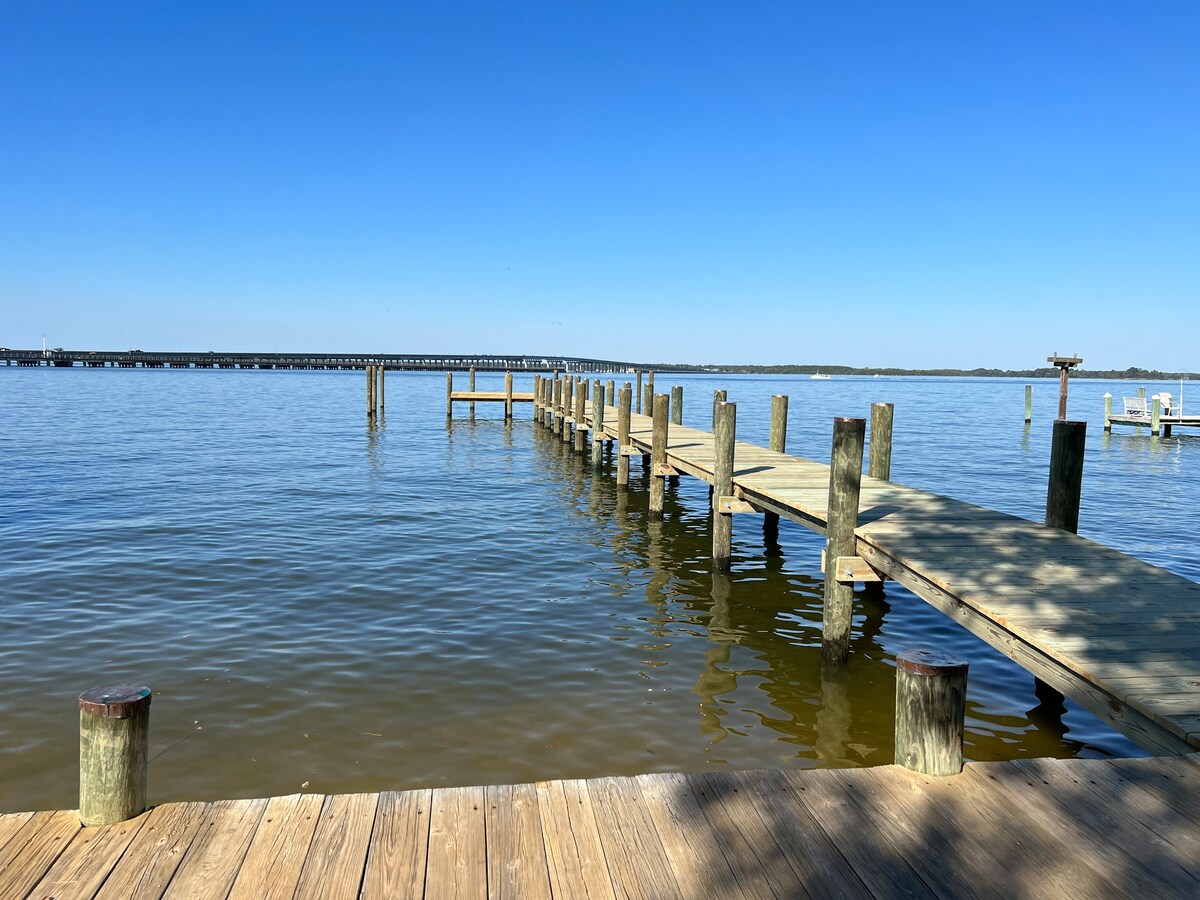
[(1066, 475), (624, 408), (880, 465), (845, 482), (931, 699), (508, 392), (114, 742), (597, 423), (661, 413), (724, 436)]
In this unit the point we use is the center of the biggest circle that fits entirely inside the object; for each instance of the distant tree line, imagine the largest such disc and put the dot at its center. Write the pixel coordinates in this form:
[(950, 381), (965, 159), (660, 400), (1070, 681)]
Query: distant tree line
[(1132, 373)]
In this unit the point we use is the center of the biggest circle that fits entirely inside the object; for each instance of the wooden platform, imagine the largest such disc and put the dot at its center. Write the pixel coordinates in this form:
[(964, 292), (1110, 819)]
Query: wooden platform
[(1037, 828), (1117, 635)]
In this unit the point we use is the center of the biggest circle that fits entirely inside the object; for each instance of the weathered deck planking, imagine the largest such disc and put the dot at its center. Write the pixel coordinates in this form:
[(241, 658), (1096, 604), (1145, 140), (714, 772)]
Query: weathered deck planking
[(1034, 828), (1080, 616)]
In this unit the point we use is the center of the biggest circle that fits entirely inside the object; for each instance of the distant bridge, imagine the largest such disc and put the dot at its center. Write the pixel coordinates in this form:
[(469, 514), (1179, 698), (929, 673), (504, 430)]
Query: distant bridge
[(158, 359)]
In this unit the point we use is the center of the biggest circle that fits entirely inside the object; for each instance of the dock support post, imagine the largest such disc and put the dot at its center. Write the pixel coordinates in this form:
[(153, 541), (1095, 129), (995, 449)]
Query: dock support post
[(568, 408), (677, 405), (931, 697), (449, 391), (658, 454), (580, 425), (719, 397), (1066, 475), (624, 406), (507, 395), (370, 392), (114, 741), (597, 423), (1155, 416), (1142, 393), (610, 394), (1107, 411), (845, 480), (639, 392), (1028, 403), (471, 388), (537, 398), (381, 403), (724, 435), (880, 465), (557, 423), (777, 443)]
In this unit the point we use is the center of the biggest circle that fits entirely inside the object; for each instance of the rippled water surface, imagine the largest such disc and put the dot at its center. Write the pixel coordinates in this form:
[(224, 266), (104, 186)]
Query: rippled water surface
[(318, 604)]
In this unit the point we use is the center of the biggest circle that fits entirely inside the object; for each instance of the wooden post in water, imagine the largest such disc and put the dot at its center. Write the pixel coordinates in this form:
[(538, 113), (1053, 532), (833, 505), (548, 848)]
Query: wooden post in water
[(624, 405), (1155, 415), (580, 426), (471, 388), (537, 397), (931, 698), (114, 742), (1107, 411), (661, 411), (556, 424), (719, 397), (724, 435), (370, 392), (597, 423), (1028, 403), (1142, 393), (381, 404), (568, 407), (1066, 475), (845, 479), (507, 395), (639, 392), (610, 394), (677, 405), (650, 394), (880, 465), (449, 391), (778, 443)]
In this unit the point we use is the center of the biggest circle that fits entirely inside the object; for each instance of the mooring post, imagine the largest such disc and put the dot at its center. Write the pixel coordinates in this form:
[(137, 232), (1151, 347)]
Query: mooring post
[(537, 397), (556, 422), (845, 480), (508, 403), (778, 443), (1142, 393), (719, 397), (370, 392), (880, 465), (724, 435), (381, 403), (650, 394), (639, 392), (568, 408), (1066, 475), (624, 407), (1028, 403), (449, 391), (677, 405), (597, 423), (114, 741), (931, 699), (661, 411), (1107, 411), (610, 394), (471, 388), (580, 425), (1155, 415)]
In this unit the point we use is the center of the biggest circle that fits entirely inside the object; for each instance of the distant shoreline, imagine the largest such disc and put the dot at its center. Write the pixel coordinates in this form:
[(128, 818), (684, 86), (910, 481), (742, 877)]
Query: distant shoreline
[(1131, 373)]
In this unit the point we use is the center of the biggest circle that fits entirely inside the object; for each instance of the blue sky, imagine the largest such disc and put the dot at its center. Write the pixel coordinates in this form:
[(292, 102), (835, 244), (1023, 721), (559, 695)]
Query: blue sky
[(915, 184)]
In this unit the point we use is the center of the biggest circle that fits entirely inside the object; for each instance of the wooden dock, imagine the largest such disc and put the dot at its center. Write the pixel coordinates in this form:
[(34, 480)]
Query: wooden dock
[(1119, 636), (1034, 828)]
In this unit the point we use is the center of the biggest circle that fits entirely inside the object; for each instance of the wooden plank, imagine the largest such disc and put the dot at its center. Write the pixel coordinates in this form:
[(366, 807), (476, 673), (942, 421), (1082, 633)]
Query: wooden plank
[(734, 505), (457, 865), (148, 865), (211, 862), (273, 863), (31, 852), (574, 854), (854, 568), (1170, 782), (10, 824), (516, 853), (338, 852), (87, 860), (637, 862), (399, 846)]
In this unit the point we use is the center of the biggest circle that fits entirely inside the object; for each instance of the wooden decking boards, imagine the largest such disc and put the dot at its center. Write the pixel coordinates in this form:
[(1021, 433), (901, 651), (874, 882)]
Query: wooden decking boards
[(1080, 616), (1035, 828)]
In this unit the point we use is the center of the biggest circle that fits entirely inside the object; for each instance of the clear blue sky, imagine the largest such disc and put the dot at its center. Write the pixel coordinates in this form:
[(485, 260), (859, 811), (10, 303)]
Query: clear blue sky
[(910, 184)]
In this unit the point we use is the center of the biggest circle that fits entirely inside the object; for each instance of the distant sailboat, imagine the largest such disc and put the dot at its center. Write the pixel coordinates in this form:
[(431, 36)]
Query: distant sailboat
[(817, 376)]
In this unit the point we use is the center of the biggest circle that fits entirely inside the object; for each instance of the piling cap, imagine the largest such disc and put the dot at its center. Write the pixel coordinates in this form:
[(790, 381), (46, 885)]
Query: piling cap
[(930, 662), (115, 701)]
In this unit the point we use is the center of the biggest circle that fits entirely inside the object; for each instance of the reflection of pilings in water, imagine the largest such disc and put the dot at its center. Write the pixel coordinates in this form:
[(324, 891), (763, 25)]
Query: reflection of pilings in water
[(874, 608), (1050, 709), (715, 681), (833, 718)]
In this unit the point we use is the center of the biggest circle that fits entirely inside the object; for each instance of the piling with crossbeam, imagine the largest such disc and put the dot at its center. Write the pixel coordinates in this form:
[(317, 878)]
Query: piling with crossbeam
[(660, 409), (624, 407), (597, 423), (931, 696), (1028, 403), (508, 401), (845, 481), (724, 435), (1066, 475), (114, 741), (880, 465)]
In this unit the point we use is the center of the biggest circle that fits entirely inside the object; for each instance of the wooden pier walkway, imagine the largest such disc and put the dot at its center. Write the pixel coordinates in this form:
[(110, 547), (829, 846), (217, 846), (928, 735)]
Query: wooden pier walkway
[(1119, 636), (1035, 828)]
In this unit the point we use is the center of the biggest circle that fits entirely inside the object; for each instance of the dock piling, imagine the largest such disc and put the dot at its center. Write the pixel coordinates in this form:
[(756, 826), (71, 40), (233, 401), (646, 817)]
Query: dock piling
[(471, 388), (371, 392), (880, 465), (1155, 415), (114, 740), (449, 392), (580, 426), (568, 408), (1107, 411), (677, 405), (639, 392), (508, 401), (624, 406), (1028, 403), (724, 435), (845, 481), (557, 402), (778, 443), (597, 423), (381, 404), (1066, 475), (658, 454), (931, 696), (610, 394)]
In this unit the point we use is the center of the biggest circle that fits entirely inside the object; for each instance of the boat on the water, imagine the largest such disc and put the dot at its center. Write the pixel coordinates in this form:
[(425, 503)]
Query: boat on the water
[(817, 376)]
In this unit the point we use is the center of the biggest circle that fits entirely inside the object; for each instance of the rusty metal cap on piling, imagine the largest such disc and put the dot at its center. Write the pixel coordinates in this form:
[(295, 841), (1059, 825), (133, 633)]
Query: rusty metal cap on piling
[(115, 701), (930, 662)]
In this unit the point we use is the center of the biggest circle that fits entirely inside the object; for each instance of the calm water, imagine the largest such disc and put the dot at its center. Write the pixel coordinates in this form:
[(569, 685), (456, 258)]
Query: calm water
[(318, 604)]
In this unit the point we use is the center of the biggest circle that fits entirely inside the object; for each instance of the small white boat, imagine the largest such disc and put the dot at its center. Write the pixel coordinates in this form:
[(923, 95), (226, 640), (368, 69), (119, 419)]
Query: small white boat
[(817, 376)]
